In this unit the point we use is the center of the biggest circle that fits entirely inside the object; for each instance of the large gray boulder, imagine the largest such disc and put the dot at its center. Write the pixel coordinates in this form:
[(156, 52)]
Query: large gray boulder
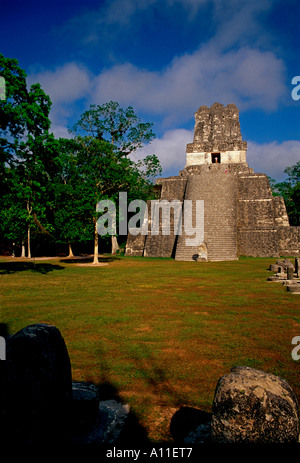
[(252, 406), (37, 390)]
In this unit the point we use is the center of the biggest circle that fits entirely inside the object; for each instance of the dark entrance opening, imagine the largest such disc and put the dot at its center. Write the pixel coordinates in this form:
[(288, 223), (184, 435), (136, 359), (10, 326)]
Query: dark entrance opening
[(215, 158)]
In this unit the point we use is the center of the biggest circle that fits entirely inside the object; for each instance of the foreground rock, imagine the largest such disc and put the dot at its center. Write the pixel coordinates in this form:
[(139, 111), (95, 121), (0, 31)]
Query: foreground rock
[(251, 406), (108, 426), (190, 425), (95, 421), (37, 388)]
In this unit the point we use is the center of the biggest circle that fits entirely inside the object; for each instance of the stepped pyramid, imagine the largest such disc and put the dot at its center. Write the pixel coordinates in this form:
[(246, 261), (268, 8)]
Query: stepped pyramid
[(238, 214)]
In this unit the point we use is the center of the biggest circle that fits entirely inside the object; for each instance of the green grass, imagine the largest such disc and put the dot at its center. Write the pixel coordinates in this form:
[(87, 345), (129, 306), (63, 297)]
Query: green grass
[(161, 332)]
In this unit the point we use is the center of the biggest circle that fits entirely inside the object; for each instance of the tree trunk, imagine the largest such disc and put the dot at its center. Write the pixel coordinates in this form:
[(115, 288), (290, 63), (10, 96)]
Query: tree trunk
[(29, 209), (28, 243), (96, 249), (70, 251), (23, 254), (114, 245)]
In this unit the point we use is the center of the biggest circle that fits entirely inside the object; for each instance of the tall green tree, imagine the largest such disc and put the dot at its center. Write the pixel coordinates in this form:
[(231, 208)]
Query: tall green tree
[(107, 136), (24, 140)]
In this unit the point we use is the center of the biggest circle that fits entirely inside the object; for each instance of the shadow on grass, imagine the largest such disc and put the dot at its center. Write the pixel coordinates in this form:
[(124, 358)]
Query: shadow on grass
[(133, 432), (14, 267), (184, 421), (4, 330), (88, 259), (155, 377)]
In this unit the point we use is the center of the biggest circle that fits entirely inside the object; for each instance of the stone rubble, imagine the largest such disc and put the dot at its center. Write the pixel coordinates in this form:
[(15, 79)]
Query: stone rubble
[(287, 274)]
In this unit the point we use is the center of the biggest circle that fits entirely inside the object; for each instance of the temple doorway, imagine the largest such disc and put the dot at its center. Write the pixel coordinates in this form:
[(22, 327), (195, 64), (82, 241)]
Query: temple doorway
[(215, 158)]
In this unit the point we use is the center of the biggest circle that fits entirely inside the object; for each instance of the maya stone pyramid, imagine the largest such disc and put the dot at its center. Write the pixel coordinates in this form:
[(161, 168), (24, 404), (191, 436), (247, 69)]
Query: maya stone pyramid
[(240, 215)]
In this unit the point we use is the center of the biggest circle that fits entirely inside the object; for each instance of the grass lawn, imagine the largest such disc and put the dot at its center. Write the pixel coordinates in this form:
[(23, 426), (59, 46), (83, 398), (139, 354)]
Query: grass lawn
[(160, 333)]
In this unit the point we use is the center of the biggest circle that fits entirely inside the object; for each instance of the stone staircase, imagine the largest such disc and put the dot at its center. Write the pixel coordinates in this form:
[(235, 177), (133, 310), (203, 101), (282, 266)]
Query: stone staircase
[(217, 187)]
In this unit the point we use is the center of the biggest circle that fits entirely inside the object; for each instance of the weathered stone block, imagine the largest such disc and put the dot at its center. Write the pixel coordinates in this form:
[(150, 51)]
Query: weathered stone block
[(290, 273), (38, 386), (85, 405), (112, 418), (295, 288), (278, 278), (251, 406), (274, 268)]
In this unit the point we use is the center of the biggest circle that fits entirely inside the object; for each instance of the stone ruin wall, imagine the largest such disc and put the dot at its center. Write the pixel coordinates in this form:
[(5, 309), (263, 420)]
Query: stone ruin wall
[(288, 241), (161, 245), (257, 232), (263, 223)]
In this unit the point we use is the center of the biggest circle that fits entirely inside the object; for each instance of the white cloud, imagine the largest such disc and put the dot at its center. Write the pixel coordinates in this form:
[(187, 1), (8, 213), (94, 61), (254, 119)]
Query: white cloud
[(247, 77), (66, 84), (170, 150), (272, 158), (60, 131)]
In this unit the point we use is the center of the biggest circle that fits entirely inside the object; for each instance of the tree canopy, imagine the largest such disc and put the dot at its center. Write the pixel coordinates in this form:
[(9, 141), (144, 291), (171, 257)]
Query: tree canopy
[(24, 113), (120, 127), (51, 186)]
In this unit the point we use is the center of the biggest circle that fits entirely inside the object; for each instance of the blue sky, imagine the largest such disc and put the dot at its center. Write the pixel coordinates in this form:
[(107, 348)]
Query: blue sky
[(166, 59)]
